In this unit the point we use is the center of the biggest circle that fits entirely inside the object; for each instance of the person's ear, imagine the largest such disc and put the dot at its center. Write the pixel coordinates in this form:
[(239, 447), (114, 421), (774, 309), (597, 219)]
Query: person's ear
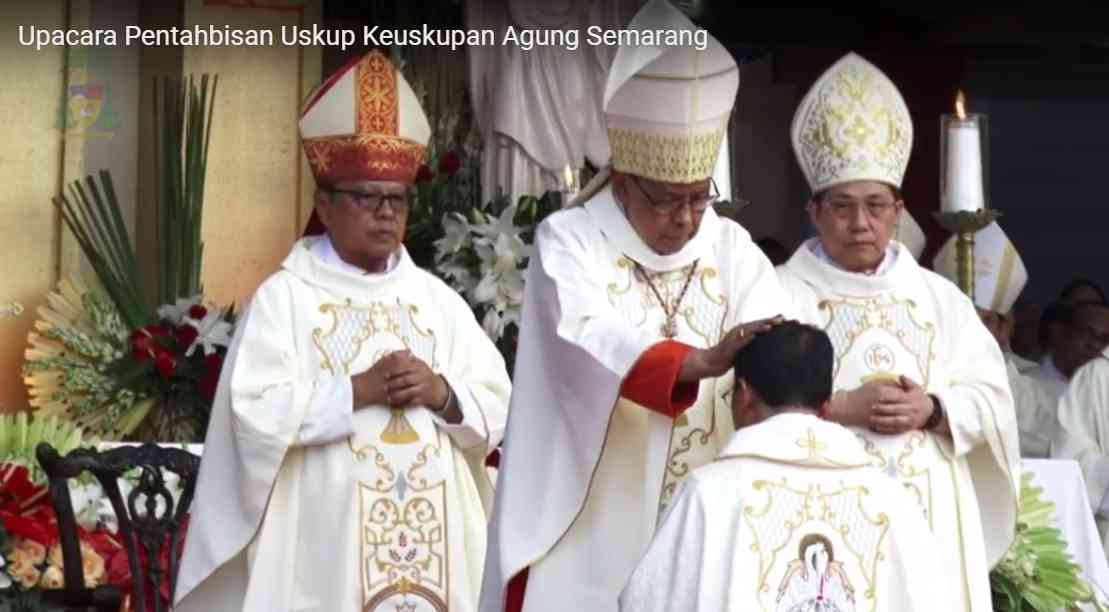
[(322, 201)]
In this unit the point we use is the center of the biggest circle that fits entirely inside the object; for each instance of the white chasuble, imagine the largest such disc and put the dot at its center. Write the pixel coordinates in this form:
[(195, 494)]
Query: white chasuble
[(1083, 434), (790, 518), (597, 306), (911, 322), (304, 504)]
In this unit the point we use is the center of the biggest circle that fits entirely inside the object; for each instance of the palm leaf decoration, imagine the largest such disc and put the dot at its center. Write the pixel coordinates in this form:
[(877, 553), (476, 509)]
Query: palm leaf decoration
[(183, 111), (93, 214), (70, 367), (20, 435), (1037, 574)]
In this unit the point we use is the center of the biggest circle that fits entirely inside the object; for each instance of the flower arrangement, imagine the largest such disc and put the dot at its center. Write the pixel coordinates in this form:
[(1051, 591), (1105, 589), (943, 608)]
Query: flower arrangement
[(484, 252), (451, 187), (30, 557), (117, 363), (1037, 573), (30, 549), (157, 381)]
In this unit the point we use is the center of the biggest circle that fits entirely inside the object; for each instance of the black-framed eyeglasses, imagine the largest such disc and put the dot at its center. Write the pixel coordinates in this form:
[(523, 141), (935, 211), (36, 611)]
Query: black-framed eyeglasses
[(697, 203), (372, 202)]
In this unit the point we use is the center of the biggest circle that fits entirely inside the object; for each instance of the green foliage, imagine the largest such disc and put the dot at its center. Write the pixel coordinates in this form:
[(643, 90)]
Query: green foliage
[(94, 217), (1037, 573), (20, 435), (183, 113)]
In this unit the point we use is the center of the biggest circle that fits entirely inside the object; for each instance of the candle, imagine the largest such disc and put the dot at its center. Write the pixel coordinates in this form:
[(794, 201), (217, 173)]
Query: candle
[(570, 179), (963, 188)]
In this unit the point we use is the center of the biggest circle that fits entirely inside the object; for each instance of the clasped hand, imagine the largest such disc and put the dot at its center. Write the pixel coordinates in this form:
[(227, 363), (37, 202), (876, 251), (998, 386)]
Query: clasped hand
[(889, 407), (399, 380)]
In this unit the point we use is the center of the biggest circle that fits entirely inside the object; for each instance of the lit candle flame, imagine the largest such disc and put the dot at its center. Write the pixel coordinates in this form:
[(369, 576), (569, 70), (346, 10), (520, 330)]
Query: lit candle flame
[(568, 175), (960, 105)]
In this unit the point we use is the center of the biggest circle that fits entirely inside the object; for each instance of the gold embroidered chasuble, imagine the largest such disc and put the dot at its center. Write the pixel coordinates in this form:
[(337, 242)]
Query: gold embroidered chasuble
[(909, 321), (388, 514), (790, 518), (603, 465)]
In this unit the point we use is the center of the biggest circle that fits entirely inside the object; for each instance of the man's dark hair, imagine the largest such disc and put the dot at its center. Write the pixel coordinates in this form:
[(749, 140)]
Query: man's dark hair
[(1076, 310), (1056, 312), (1082, 283), (790, 365)]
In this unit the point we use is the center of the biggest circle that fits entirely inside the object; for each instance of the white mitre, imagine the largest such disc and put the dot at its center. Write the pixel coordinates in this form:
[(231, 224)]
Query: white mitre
[(999, 272), (667, 108), (909, 234), (853, 125)]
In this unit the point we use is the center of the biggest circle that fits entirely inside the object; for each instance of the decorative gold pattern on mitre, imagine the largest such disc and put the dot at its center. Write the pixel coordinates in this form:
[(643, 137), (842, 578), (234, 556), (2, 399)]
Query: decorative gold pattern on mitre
[(377, 95), (852, 125), (840, 514), (670, 159)]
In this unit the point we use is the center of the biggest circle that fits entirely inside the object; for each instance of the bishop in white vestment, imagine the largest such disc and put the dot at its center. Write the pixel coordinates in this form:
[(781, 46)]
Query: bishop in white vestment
[(918, 377), (791, 517), (999, 277), (343, 467), (633, 307)]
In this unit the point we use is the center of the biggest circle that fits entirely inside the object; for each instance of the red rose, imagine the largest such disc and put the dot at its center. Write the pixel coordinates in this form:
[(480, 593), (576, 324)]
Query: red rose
[(424, 174), (198, 312), (186, 335), (450, 163), (166, 364), (144, 343)]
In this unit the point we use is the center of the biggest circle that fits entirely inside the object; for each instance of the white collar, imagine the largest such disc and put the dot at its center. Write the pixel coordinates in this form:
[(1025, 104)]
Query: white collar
[(817, 247), (325, 250)]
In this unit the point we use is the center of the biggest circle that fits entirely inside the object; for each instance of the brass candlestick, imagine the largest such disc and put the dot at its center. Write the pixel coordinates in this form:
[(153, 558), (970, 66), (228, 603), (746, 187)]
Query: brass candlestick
[(965, 224)]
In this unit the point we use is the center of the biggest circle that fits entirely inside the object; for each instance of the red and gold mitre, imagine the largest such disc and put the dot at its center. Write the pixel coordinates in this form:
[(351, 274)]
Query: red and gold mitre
[(364, 124)]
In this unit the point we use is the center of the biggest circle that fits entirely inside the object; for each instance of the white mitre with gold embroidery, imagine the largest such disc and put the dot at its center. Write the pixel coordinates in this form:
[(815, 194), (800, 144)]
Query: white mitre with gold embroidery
[(999, 272), (909, 234), (853, 125), (667, 108)]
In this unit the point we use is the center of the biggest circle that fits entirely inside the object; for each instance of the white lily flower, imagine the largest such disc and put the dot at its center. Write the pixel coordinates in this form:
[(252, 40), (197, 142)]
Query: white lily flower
[(493, 324), (177, 312), (461, 278), (5, 579), (87, 500), (503, 225), (456, 236), (212, 331)]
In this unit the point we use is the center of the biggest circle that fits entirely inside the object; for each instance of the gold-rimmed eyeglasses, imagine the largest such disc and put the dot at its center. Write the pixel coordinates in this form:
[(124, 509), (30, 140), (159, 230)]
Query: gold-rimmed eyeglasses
[(697, 203)]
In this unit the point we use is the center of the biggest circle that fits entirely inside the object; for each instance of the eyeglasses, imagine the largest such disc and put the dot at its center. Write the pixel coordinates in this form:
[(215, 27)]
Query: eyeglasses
[(846, 209), (697, 204), (372, 202)]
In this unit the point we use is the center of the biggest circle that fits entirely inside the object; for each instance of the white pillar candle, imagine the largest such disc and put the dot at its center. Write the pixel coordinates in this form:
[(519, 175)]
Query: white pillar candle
[(963, 189)]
